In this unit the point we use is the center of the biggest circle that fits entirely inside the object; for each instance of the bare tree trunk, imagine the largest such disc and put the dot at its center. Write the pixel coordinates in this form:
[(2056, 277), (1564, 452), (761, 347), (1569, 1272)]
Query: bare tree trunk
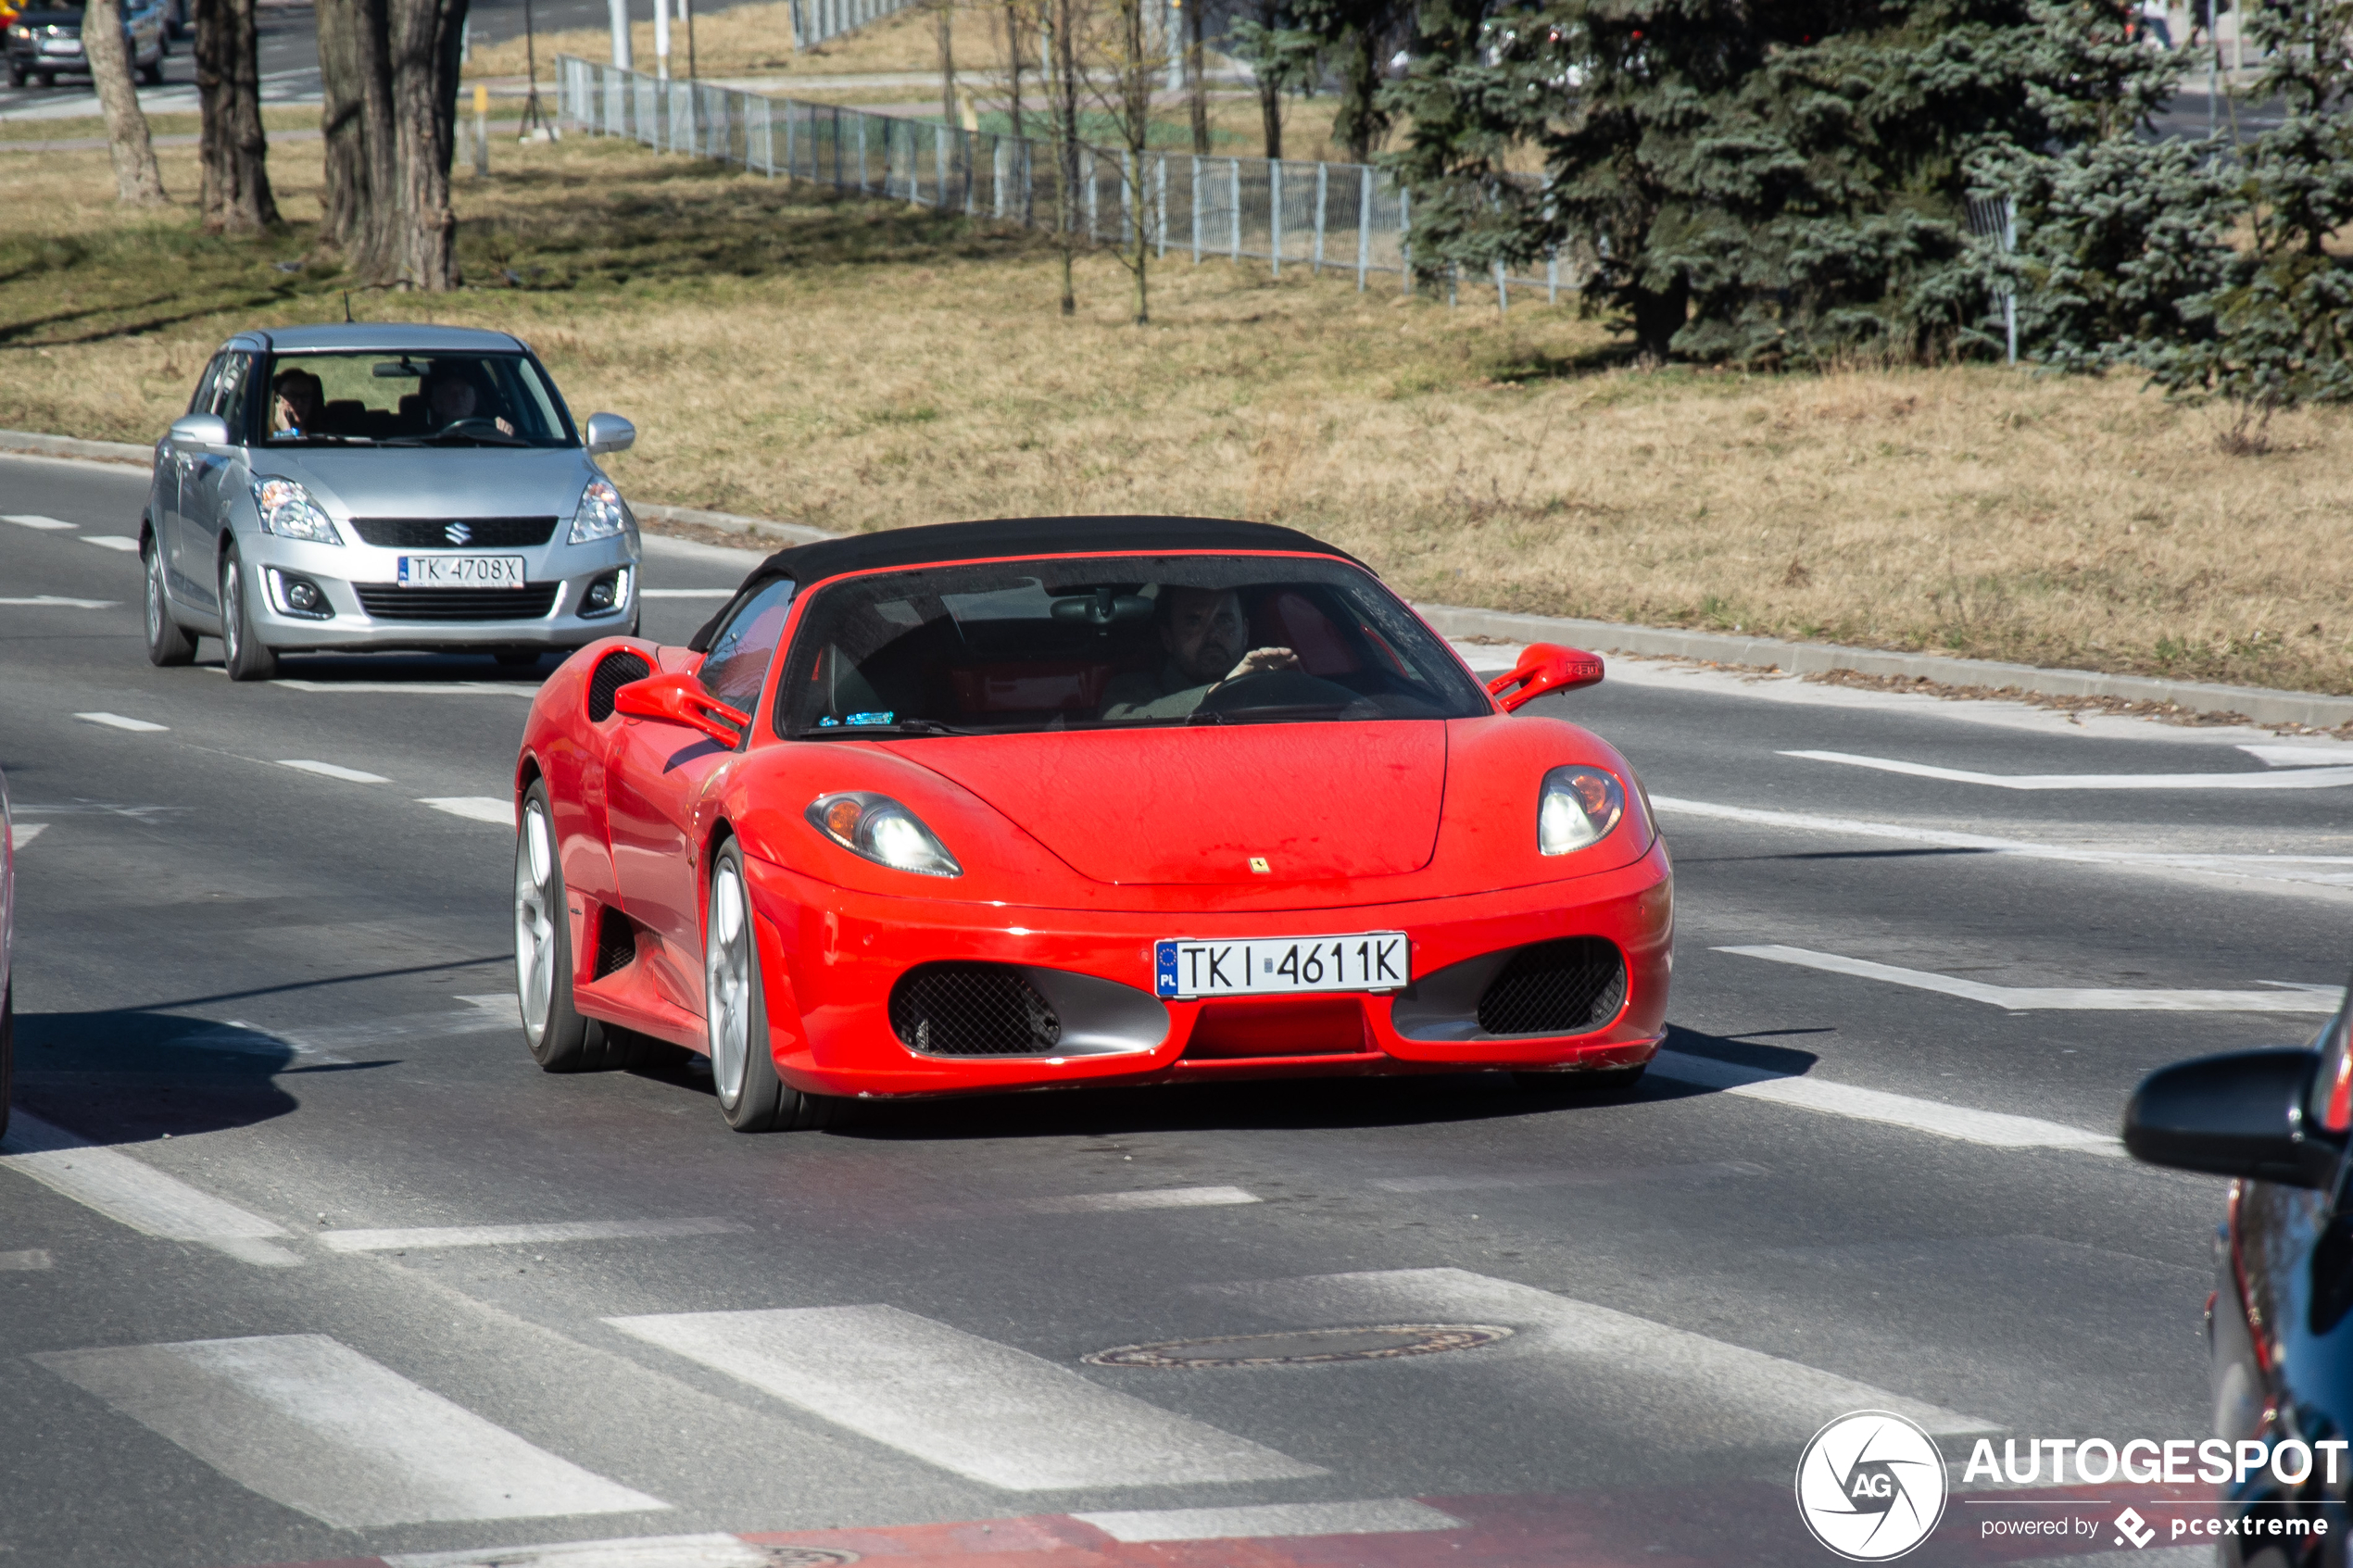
[(1064, 92), (357, 118), (1015, 47), (137, 180), (422, 45), (233, 151), (1139, 67), (1360, 123), (1270, 90), (1197, 71)]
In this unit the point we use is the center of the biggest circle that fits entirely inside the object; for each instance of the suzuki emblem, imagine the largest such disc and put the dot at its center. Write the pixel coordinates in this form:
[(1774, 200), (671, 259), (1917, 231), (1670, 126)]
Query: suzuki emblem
[(458, 533)]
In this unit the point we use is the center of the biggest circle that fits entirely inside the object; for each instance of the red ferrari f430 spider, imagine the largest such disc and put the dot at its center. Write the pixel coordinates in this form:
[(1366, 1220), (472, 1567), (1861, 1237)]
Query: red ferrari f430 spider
[(1047, 802)]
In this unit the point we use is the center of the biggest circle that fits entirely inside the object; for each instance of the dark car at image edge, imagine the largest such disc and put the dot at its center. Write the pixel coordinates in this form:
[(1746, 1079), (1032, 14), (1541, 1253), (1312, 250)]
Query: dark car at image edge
[(44, 42)]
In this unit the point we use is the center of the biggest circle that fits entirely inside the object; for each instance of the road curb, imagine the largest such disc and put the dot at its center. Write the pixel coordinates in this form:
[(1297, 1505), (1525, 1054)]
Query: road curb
[(2263, 705), (68, 446)]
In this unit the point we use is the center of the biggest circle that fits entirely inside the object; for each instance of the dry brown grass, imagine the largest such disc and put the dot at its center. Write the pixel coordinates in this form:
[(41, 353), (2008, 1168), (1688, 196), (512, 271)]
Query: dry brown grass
[(862, 366), (757, 37)]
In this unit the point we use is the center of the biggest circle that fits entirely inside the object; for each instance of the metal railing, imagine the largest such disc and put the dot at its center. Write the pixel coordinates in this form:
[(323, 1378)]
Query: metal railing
[(1347, 217), (814, 21)]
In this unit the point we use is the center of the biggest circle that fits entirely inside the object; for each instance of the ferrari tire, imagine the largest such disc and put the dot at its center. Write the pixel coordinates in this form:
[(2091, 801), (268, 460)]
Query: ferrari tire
[(751, 1097), (560, 1038), (169, 643), (1580, 1083), (243, 653)]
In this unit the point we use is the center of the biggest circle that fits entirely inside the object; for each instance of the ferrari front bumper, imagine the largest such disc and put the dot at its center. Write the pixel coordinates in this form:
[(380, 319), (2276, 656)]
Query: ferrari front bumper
[(831, 957)]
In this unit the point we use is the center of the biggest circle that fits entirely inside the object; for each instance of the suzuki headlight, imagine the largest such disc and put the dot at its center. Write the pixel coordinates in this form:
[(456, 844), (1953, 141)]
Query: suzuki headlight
[(288, 511), (883, 831), (600, 515), (1577, 809)]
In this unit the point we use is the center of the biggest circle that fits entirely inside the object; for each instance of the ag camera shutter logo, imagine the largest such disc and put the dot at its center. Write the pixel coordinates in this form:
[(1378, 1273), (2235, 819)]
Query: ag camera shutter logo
[(1871, 1486)]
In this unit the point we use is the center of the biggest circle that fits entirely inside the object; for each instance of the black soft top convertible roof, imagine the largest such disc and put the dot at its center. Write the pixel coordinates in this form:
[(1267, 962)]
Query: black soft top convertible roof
[(1011, 538)]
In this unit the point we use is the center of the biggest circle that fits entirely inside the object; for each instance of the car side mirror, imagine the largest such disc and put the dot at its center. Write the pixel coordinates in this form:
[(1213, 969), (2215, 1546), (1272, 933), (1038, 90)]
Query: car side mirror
[(678, 700), (2236, 1115), (610, 432), (200, 430), (1545, 667)]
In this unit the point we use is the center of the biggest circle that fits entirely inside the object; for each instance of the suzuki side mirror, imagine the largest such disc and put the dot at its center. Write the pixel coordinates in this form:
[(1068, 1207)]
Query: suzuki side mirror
[(610, 432), (200, 430), (678, 700), (2236, 1115), (1545, 667)]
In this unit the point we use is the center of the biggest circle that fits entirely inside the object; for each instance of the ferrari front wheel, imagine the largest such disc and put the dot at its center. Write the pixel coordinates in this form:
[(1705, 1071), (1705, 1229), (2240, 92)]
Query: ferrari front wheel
[(751, 1097)]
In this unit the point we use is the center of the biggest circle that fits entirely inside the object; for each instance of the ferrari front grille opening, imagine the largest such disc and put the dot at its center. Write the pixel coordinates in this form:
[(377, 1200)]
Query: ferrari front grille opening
[(972, 1010), (1566, 988), (613, 671)]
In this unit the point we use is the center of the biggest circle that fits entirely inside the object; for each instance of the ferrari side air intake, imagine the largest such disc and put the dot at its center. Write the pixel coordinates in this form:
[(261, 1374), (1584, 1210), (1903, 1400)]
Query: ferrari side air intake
[(972, 1010), (1563, 988), (614, 671)]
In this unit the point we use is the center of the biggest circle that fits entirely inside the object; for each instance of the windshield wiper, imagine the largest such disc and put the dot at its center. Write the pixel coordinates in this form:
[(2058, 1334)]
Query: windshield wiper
[(898, 727)]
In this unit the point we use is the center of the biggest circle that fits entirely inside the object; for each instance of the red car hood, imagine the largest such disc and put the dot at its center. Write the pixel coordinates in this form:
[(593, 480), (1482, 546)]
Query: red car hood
[(1198, 804)]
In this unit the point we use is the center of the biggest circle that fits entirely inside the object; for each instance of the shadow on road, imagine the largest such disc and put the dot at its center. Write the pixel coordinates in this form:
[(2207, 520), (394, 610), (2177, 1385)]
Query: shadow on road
[(134, 1077)]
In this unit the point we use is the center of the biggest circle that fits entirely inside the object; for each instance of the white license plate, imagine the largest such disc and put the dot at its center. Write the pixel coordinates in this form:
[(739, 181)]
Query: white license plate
[(1370, 960), (461, 571)]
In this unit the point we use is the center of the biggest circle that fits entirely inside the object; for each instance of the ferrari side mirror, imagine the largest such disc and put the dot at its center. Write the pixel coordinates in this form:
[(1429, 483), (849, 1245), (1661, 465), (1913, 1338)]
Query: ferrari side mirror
[(1545, 667), (2236, 1115), (678, 700)]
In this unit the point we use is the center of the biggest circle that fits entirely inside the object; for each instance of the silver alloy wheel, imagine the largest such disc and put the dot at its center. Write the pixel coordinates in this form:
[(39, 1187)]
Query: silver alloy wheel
[(158, 618), (232, 610), (536, 916), (726, 966)]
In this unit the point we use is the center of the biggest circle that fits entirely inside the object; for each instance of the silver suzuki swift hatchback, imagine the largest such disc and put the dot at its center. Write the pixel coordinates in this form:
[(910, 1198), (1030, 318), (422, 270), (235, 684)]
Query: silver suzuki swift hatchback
[(371, 486)]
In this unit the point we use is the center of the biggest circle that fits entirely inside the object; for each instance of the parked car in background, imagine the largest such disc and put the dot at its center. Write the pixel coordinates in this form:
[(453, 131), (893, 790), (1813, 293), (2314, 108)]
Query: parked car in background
[(371, 486), (44, 42)]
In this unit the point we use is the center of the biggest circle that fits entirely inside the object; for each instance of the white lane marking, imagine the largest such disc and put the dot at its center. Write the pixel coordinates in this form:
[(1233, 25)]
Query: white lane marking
[(2327, 870), (111, 541), (2319, 754), (414, 688), (1378, 1516), (56, 602), (331, 771), (116, 722), (474, 808), (1485, 1181), (132, 1193), (1734, 1392), (2067, 998), (34, 519), (985, 1410), (312, 1423), (324, 1043), (2305, 778), (22, 833), (1121, 1202), (31, 1258), (428, 1237), (1992, 1128), (640, 1551), (685, 593)]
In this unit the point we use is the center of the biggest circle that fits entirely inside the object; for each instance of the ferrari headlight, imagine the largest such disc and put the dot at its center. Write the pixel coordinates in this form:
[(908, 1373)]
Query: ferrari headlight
[(883, 831), (600, 515), (1577, 809), (288, 511)]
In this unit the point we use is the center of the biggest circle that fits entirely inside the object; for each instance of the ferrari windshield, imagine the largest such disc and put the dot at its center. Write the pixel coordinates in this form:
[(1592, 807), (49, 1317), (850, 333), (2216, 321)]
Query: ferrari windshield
[(391, 400), (1112, 642)]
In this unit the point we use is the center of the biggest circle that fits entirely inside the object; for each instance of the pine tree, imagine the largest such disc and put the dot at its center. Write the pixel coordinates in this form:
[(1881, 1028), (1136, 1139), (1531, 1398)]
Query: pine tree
[(2279, 329)]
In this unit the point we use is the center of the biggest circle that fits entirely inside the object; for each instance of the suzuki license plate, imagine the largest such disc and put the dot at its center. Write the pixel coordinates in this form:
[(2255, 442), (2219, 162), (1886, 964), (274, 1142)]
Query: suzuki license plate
[(1370, 960), (461, 571)]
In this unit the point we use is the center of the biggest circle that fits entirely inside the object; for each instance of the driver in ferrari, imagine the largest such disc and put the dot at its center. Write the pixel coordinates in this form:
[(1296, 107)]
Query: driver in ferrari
[(1204, 632)]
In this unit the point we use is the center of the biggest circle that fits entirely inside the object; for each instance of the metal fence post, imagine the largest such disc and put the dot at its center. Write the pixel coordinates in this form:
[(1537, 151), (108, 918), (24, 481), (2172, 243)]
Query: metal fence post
[(1195, 210), (1160, 203), (1274, 213), (1234, 183), (939, 165), (1130, 213), (1363, 224), (861, 151), (1502, 291), (1552, 279), (1322, 173), (1094, 211), (1404, 243), (997, 159)]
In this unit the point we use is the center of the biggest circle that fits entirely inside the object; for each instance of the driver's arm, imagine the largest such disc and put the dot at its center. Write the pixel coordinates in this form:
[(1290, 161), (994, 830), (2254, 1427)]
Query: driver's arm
[(1261, 661)]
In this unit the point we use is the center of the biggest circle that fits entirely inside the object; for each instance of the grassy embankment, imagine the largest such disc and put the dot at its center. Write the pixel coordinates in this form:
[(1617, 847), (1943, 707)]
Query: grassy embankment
[(861, 365)]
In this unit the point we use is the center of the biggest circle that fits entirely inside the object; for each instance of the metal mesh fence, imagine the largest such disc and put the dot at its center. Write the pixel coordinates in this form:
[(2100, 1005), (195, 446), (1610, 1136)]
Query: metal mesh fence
[(1344, 217)]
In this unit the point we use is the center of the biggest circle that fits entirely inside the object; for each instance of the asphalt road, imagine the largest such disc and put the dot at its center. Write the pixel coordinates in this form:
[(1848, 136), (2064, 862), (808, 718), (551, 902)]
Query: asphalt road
[(1849, 1187)]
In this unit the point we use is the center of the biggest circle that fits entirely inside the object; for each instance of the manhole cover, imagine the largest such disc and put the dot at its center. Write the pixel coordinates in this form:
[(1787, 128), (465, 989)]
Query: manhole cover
[(1308, 1347)]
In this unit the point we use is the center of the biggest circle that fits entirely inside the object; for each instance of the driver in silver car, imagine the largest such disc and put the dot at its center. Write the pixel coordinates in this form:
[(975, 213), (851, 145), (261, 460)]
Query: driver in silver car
[(451, 395), (1203, 633)]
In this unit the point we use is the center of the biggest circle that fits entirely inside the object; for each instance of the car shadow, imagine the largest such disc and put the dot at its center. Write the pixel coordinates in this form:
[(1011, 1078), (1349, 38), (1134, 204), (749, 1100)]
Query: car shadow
[(129, 1077), (412, 668)]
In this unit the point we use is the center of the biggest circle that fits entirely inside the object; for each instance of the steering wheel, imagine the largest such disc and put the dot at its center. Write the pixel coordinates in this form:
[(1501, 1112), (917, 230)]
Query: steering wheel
[(1275, 688), (473, 424)]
